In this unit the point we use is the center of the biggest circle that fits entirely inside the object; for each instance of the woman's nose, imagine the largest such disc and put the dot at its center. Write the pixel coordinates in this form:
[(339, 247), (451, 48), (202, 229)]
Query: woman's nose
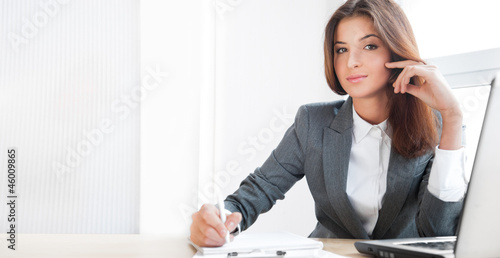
[(354, 60)]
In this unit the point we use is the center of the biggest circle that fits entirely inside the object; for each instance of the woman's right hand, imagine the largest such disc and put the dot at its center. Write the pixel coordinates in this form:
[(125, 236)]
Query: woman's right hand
[(207, 229)]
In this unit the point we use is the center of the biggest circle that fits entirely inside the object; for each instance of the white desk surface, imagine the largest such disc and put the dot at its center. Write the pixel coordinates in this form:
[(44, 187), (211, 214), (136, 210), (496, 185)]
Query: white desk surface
[(123, 246)]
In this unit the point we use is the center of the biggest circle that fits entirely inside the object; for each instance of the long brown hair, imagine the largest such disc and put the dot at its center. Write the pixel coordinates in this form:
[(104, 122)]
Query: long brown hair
[(412, 121)]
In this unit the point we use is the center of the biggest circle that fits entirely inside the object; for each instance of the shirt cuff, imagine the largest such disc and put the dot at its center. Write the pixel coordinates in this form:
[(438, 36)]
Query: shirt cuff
[(448, 180)]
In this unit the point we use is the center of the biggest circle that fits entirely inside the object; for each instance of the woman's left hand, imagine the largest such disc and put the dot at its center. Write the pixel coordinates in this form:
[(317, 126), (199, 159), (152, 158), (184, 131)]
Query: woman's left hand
[(434, 91)]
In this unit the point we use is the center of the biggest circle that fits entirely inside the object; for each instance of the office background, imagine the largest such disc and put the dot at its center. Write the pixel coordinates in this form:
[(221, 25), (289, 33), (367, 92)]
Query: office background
[(127, 115)]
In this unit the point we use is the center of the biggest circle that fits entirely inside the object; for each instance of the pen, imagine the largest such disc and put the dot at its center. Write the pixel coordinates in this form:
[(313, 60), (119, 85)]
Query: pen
[(222, 212)]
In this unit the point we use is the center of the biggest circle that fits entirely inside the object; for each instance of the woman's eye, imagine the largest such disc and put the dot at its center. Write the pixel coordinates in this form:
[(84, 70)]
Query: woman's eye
[(341, 50), (371, 47)]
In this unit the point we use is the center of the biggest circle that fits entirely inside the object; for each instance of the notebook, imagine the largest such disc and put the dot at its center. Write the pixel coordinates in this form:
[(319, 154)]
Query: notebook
[(266, 244), (479, 226)]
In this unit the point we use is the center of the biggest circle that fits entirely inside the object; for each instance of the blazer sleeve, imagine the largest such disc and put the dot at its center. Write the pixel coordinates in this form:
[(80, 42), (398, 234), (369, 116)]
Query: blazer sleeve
[(436, 217), (282, 169)]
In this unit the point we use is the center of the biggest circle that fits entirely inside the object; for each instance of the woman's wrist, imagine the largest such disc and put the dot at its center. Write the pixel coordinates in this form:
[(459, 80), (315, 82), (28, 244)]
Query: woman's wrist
[(451, 136), (452, 114)]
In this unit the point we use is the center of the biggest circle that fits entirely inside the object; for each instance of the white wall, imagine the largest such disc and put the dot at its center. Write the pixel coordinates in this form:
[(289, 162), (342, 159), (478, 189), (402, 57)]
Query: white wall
[(449, 27), (176, 37)]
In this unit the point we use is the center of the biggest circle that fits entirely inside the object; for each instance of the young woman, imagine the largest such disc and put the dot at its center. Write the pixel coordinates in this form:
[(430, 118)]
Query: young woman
[(385, 163)]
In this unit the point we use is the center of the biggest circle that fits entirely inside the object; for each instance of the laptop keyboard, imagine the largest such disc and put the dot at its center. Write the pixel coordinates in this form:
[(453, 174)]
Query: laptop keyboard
[(442, 245)]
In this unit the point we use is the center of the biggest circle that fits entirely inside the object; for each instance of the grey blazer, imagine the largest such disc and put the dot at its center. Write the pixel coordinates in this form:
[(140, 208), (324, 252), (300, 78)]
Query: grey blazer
[(317, 146)]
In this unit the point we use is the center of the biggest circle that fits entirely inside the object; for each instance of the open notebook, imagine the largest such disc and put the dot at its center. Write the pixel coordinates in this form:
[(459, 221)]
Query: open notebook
[(273, 244)]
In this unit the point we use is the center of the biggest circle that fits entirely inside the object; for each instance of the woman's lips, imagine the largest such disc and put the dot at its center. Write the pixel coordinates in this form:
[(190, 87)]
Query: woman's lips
[(355, 78)]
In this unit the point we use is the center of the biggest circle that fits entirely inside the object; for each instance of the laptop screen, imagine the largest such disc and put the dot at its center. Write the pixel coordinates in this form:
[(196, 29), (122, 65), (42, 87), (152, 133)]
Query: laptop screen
[(480, 225)]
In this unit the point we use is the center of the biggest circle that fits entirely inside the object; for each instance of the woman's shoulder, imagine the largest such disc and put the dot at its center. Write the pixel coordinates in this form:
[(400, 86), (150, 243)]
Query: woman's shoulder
[(327, 104), (328, 108), (320, 112)]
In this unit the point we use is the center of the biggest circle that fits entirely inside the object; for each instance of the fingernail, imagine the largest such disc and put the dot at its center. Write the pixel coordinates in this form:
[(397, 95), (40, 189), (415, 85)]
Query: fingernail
[(223, 232), (230, 225)]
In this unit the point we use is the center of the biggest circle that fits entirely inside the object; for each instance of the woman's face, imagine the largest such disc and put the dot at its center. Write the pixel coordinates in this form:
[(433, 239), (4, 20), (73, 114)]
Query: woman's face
[(360, 57)]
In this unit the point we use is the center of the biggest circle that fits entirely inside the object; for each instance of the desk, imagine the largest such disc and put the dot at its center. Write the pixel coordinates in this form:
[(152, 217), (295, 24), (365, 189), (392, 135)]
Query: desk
[(123, 246)]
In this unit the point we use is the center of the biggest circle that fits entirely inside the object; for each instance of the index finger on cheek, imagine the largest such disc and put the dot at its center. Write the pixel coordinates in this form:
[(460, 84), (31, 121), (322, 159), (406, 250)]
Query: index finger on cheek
[(389, 65), (396, 65), (401, 64)]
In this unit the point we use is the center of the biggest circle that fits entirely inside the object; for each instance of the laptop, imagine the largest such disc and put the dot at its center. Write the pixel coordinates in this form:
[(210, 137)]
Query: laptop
[(479, 226)]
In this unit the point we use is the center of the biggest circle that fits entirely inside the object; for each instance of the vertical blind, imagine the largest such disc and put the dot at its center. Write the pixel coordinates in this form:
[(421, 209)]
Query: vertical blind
[(68, 71)]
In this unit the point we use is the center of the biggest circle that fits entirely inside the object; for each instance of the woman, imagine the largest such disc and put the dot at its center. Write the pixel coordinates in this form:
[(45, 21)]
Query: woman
[(385, 163)]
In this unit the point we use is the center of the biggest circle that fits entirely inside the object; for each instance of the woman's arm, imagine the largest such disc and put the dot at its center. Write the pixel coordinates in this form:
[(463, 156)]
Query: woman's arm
[(283, 168), (451, 136), (435, 217), (259, 191)]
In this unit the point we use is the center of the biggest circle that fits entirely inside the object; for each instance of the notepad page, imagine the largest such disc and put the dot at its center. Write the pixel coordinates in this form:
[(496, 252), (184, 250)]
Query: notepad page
[(266, 244), (271, 241)]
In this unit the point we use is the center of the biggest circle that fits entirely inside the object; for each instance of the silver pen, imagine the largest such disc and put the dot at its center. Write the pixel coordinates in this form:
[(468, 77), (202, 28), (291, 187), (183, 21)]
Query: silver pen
[(222, 213)]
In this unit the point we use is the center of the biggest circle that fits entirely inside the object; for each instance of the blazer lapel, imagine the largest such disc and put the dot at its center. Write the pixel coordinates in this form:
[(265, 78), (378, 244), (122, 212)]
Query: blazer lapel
[(337, 141), (399, 179)]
